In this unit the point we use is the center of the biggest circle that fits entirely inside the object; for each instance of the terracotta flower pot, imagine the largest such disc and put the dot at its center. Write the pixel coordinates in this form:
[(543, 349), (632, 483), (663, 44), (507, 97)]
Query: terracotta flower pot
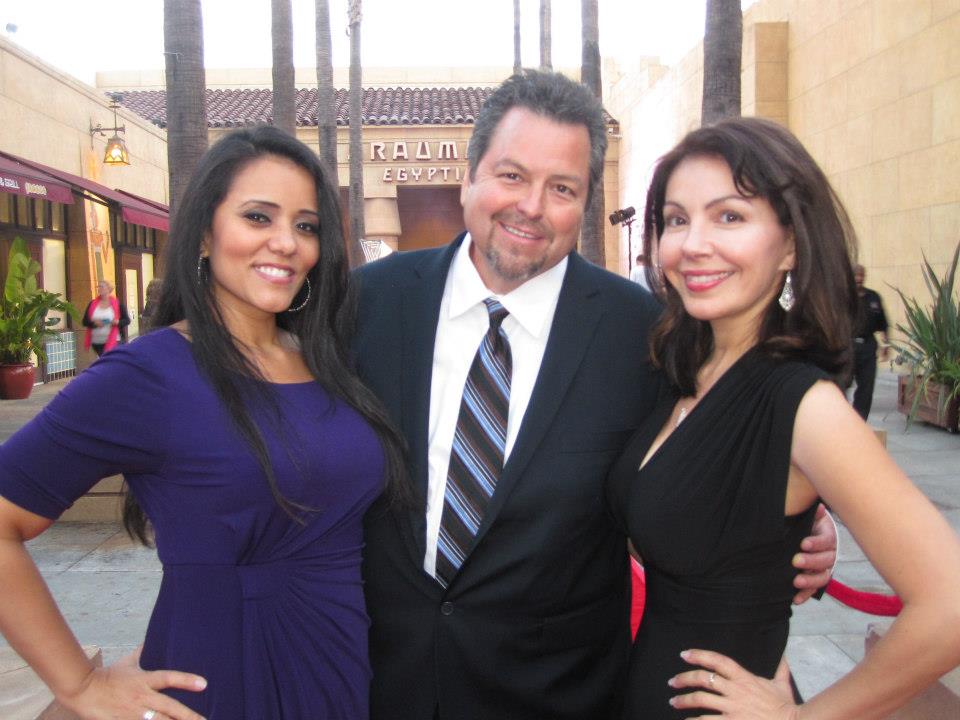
[(16, 381), (933, 407)]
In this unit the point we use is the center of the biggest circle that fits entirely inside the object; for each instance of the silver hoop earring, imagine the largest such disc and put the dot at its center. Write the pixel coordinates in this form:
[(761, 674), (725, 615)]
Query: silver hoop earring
[(203, 269), (787, 299), (302, 305)]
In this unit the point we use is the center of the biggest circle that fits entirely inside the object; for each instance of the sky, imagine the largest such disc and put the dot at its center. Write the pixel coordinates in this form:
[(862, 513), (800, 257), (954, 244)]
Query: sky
[(403, 33)]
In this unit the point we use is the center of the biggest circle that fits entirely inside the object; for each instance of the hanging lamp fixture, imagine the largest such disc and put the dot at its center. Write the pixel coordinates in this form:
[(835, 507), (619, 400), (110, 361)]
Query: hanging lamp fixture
[(116, 152)]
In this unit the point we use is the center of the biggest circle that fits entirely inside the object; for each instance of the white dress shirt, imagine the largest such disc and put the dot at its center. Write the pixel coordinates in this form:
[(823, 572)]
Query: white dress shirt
[(463, 322)]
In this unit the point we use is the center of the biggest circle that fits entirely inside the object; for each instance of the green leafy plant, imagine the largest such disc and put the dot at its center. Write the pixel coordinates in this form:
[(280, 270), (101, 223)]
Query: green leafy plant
[(931, 345), (24, 325)]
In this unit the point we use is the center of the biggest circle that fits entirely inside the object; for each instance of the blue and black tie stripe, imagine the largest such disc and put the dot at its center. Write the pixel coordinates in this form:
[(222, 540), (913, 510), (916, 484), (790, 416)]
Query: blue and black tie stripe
[(476, 458)]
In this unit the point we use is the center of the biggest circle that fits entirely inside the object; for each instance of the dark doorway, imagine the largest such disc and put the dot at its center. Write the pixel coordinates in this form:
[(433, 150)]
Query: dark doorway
[(429, 216)]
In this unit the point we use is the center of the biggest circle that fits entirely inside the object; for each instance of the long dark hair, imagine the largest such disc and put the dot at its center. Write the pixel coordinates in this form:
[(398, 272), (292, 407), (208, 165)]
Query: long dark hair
[(322, 327), (767, 161)]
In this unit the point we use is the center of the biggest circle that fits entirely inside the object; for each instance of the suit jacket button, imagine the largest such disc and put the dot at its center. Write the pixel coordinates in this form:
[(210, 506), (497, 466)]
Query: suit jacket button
[(446, 608)]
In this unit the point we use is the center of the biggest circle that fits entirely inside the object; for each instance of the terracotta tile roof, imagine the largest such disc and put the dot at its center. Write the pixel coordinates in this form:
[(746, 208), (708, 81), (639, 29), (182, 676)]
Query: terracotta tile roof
[(381, 106)]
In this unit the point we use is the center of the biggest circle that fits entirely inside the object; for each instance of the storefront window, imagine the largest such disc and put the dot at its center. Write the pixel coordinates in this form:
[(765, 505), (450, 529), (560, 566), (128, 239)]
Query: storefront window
[(24, 215), (6, 209), (40, 214), (55, 273), (57, 217)]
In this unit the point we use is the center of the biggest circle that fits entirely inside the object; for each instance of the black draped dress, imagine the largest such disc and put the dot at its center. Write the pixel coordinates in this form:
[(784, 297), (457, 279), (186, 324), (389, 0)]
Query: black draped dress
[(706, 513)]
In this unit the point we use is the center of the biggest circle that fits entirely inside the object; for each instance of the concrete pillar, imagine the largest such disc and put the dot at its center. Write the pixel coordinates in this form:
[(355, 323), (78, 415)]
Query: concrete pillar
[(382, 219)]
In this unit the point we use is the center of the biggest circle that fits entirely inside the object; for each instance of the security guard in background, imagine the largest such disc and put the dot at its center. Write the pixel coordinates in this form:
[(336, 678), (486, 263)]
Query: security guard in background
[(871, 319)]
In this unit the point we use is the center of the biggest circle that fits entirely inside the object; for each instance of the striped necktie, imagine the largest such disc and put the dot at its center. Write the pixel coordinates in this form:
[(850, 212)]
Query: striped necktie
[(476, 458)]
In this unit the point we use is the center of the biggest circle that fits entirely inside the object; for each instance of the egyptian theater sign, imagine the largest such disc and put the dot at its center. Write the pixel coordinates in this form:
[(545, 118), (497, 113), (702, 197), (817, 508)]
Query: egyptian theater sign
[(420, 161)]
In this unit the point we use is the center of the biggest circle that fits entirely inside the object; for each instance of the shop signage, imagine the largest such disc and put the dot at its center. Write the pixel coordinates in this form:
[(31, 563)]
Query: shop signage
[(12, 184)]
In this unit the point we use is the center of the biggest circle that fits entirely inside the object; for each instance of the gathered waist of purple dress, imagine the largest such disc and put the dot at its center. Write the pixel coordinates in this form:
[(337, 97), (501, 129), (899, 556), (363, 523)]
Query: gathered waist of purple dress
[(260, 580)]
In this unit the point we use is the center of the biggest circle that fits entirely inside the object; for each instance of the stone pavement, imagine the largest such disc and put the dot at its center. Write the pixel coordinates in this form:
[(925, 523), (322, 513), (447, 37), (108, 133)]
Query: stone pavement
[(106, 584)]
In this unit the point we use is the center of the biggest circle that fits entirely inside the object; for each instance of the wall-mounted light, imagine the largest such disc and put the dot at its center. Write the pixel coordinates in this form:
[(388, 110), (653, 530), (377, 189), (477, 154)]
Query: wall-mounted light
[(116, 153)]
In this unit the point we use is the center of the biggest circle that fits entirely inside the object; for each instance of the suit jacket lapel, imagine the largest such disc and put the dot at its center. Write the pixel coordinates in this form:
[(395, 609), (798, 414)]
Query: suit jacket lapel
[(420, 307), (578, 310)]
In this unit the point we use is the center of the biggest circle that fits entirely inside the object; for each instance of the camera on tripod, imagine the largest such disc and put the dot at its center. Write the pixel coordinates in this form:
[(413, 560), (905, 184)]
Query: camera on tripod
[(622, 216)]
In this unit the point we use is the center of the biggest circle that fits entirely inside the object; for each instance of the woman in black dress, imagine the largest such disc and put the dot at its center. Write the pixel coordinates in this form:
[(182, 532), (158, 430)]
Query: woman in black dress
[(716, 491)]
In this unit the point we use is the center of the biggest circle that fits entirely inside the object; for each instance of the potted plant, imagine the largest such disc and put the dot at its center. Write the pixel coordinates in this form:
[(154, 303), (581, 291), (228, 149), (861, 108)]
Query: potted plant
[(931, 349), (24, 325)]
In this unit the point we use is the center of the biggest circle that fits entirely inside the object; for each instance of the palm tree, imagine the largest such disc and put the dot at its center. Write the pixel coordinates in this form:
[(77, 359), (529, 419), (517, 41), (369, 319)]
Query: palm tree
[(722, 47), (186, 92), (284, 88), (326, 97), (517, 65), (591, 235), (357, 229), (546, 36)]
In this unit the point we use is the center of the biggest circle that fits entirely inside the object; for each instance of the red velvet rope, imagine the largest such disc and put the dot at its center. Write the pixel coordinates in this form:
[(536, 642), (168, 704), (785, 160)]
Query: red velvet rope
[(873, 603), (639, 585)]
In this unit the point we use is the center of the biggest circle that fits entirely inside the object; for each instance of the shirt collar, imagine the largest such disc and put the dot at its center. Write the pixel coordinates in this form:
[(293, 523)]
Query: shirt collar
[(531, 305)]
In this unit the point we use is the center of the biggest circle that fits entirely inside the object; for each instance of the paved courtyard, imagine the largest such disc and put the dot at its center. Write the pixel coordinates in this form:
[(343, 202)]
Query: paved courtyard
[(106, 584)]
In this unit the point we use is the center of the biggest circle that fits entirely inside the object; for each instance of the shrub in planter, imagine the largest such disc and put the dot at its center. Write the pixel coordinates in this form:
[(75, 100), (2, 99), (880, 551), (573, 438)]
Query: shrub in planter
[(931, 346), (24, 325)]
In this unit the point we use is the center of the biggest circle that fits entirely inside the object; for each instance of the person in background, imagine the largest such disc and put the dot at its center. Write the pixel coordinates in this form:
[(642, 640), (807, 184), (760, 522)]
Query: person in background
[(871, 319), (247, 443), (106, 321), (719, 485), (154, 289), (639, 272)]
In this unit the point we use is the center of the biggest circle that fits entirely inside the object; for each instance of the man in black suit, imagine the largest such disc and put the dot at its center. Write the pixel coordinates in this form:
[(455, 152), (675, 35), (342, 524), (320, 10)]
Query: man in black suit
[(534, 623)]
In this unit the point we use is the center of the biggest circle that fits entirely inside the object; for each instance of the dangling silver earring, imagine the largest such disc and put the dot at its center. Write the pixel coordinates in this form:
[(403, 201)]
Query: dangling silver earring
[(203, 269), (787, 299), (302, 305)]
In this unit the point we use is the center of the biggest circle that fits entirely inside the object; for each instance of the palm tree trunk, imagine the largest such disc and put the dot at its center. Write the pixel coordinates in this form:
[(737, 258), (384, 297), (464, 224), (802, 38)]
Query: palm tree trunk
[(326, 98), (186, 92), (357, 229), (546, 36), (284, 89), (722, 49), (591, 235), (517, 64)]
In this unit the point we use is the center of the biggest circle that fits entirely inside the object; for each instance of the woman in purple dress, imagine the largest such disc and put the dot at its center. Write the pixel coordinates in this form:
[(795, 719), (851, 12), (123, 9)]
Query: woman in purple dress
[(249, 447)]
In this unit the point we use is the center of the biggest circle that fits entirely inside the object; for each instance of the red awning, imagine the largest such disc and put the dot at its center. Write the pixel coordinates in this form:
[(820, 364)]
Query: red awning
[(133, 209), (147, 218), (20, 179), (143, 211)]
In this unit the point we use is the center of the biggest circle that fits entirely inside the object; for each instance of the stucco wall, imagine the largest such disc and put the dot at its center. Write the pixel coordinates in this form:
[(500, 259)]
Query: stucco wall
[(872, 89), (45, 116)]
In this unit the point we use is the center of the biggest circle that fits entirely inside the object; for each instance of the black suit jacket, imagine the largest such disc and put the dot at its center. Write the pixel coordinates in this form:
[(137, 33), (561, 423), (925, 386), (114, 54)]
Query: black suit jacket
[(535, 624)]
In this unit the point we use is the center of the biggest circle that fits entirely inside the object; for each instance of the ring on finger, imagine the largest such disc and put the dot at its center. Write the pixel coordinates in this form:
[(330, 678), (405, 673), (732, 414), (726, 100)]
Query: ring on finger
[(711, 680), (149, 715)]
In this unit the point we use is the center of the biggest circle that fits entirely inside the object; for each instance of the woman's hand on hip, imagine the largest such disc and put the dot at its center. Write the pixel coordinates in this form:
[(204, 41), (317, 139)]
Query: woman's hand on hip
[(724, 689), (123, 690)]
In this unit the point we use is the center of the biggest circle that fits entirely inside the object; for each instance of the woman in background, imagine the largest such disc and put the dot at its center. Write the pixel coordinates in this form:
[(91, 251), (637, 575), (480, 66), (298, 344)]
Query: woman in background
[(250, 446), (719, 487), (106, 321)]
